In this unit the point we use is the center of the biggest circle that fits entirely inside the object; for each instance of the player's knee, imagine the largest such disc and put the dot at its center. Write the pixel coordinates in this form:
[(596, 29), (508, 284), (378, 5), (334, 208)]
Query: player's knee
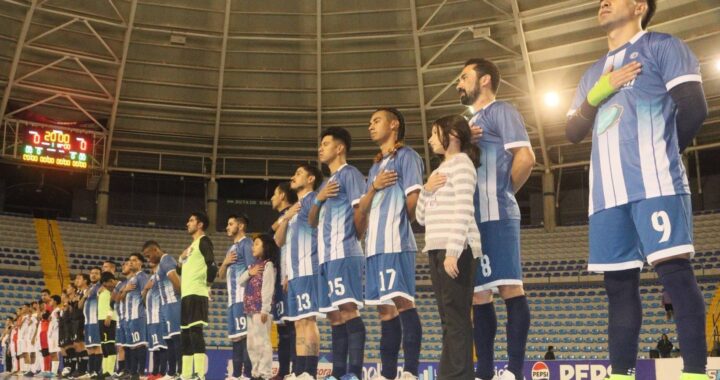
[(511, 291), (197, 341), (387, 312), (403, 304), (482, 297), (335, 318), (349, 311)]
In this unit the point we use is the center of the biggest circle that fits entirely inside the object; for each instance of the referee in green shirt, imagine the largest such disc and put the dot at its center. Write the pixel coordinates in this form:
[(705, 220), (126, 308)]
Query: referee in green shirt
[(197, 270)]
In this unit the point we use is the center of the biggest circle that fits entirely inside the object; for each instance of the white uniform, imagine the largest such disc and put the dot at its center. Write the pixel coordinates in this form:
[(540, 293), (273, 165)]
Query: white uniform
[(53, 334), (22, 341)]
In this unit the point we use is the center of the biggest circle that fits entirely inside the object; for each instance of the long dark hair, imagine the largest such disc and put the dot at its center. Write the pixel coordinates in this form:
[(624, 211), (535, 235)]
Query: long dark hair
[(459, 127), (271, 252)]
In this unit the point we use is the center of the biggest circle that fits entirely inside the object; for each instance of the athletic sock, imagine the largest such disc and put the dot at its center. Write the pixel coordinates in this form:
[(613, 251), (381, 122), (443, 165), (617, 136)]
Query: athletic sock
[(484, 331), (311, 365), (187, 366), (299, 365), (130, 361), (411, 339), (625, 319), (141, 359), (170, 357), (199, 362), (284, 349), (155, 363), (356, 345), (110, 364), (84, 359), (162, 354), (518, 325), (390, 340), (238, 355), (689, 306), (339, 350), (54, 365)]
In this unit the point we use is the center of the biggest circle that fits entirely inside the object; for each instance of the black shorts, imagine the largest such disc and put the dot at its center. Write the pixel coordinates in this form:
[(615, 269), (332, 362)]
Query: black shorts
[(78, 331), (193, 311), (107, 334)]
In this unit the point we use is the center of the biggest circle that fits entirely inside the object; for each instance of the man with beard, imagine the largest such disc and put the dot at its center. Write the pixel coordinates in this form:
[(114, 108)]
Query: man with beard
[(298, 242), (89, 303), (643, 101), (506, 161)]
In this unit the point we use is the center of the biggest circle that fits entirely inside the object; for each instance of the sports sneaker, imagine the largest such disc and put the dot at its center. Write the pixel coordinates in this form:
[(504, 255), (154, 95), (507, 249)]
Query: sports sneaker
[(380, 377), (694, 376), (408, 376), (29, 374), (84, 376), (505, 375), (304, 376), (349, 376)]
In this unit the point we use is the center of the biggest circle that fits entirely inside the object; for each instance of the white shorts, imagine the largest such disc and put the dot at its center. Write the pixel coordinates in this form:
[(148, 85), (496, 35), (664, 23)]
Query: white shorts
[(53, 346)]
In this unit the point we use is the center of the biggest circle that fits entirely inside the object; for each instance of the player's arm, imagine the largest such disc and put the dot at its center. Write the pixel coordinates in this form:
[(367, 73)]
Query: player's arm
[(384, 179), (174, 280), (692, 110), (330, 190), (147, 287), (522, 166), (206, 249), (283, 222), (581, 121), (229, 260)]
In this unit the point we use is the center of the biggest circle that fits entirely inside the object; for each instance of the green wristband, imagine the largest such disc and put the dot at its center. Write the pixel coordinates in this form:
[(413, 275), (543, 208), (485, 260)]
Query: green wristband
[(601, 91)]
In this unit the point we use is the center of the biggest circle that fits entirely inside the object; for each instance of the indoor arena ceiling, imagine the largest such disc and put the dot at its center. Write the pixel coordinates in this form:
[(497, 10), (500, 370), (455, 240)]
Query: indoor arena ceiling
[(179, 82)]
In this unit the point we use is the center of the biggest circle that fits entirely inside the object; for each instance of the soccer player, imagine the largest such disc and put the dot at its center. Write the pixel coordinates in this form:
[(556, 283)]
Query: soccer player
[(121, 330), (169, 284), (298, 242), (507, 159), (383, 217), (53, 335), (282, 199), (89, 304), (643, 103), (136, 339), (155, 325), (107, 318), (82, 284), (339, 253), (197, 269), (237, 260), (66, 331)]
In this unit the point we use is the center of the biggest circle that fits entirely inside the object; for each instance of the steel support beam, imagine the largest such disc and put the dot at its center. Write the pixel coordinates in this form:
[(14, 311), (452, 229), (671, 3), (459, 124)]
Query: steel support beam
[(531, 83), (420, 83), (16, 57), (432, 16), (118, 83), (318, 68), (221, 83)]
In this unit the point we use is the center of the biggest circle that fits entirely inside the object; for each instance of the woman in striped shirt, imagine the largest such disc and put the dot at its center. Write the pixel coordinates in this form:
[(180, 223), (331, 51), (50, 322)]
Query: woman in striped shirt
[(452, 240)]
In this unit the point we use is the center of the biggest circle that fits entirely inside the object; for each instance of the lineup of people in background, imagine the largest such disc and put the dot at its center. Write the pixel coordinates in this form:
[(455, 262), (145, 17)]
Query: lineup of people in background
[(643, 104)]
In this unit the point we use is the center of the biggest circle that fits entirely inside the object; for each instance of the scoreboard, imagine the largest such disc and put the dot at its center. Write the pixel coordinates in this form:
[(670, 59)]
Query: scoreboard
[(56, 147)]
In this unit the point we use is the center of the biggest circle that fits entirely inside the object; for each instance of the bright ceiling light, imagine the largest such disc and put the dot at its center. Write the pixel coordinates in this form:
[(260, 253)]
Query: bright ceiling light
[(552, 99)]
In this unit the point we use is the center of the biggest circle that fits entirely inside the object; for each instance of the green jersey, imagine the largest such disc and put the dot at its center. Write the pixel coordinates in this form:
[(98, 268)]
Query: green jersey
[(199, 269)]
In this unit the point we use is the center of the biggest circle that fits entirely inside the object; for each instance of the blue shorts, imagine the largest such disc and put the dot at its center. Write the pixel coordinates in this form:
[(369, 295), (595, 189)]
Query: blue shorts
[(390, 275), (170, 314), (92, 335), (302, 298), (279, 307), (137, 332), (340, 282), (624, 237), (500, 262), (120, 333), (236, 322), (154, 334)]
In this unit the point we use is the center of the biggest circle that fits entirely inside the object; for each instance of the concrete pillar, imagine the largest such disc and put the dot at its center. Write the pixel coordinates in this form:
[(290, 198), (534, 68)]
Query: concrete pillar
[(101, 214), (212, 195), (549, 219)]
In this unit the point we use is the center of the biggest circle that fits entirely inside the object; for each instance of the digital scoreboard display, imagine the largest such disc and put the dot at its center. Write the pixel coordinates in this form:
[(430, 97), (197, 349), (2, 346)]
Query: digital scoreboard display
[(57, 147)]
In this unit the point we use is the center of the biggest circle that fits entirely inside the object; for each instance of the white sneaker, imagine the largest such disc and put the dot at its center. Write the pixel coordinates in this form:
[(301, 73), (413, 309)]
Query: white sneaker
[(505, 375), (304, 376), (407, 376), (290, 377), (380, 377)]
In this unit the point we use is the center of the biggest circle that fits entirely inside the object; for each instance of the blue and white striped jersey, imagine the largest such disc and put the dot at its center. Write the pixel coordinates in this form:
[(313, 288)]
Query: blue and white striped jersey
[(389, 229), (153, 302), (243, 249), (635, 152), (90, 309), (503, 130), (133, 300), (300, 248), (120, 306), (337, 236), (167, 292)]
